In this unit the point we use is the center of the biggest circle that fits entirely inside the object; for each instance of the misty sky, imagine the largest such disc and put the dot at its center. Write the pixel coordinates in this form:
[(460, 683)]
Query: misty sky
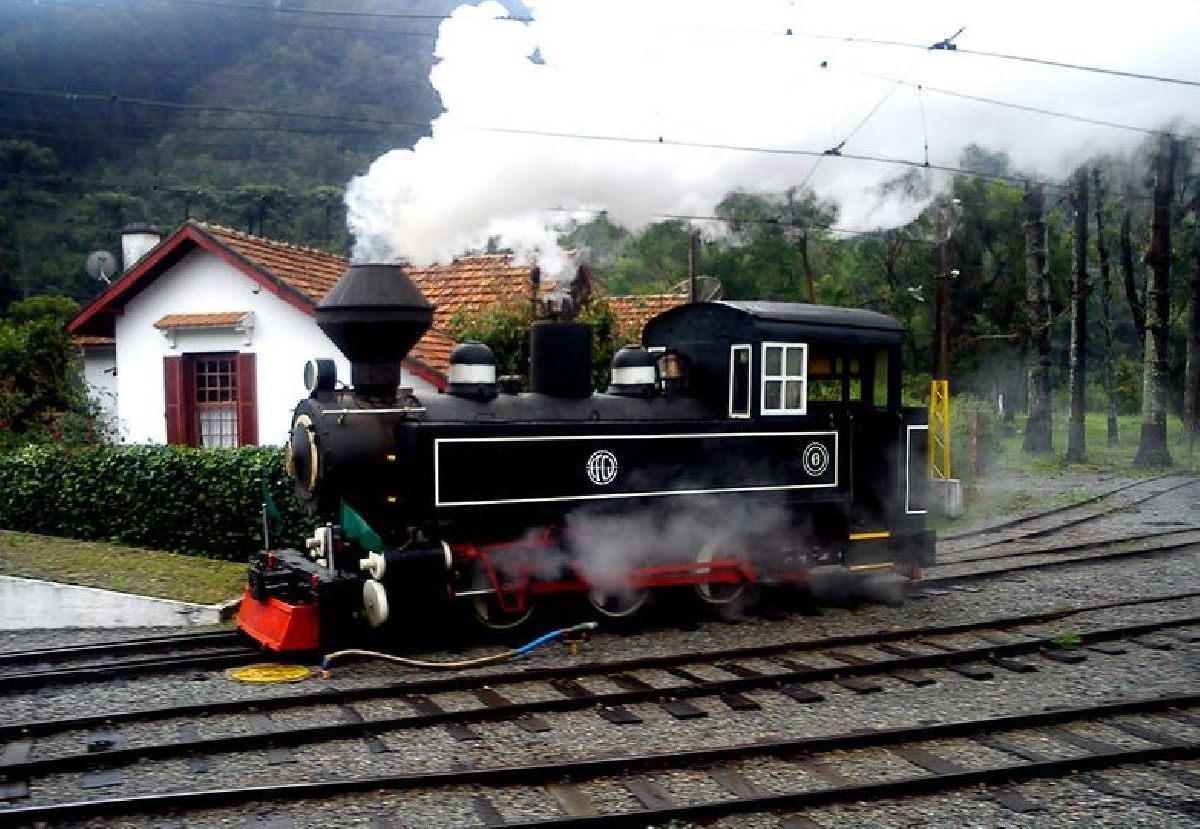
[(723, 73)]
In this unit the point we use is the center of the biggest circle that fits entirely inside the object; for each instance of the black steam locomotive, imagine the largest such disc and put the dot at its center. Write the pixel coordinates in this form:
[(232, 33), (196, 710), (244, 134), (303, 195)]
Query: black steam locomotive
[(740, 443)]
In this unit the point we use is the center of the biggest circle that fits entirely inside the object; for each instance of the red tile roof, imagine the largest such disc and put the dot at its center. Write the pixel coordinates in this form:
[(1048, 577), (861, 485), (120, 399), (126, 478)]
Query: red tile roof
[(471, 284), (433, 349), (217, 319), (633, 312), (308, 271)]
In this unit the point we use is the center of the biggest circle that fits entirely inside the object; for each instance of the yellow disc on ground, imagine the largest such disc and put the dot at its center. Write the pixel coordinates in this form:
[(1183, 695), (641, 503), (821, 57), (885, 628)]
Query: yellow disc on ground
[(269, 672)]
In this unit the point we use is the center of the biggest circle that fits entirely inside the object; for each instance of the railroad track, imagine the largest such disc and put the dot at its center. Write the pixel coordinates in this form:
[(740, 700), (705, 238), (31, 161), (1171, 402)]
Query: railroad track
[(1058, 519), (853, 662), (558, 783), (105, 660), (1016, 557)]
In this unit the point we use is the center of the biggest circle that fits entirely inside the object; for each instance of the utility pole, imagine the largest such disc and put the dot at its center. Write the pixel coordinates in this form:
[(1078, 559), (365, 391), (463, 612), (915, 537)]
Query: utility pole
[(693, 262), (939, 390)]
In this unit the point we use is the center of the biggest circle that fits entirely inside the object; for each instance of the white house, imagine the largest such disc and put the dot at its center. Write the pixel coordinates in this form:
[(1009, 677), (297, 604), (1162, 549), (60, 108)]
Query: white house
[(211, 329), (203, 339)]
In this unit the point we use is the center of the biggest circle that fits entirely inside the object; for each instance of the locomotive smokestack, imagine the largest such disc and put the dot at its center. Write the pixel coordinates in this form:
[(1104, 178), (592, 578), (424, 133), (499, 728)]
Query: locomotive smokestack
[(374, 314)]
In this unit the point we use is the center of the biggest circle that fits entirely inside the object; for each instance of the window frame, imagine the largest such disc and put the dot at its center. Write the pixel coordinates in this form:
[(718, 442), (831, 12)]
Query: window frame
[(783, 377), (733, 350), (196, 368)]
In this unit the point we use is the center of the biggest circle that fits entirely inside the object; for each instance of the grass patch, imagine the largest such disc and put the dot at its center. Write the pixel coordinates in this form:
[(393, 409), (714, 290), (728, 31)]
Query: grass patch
[(116, 567), (1098, 455)]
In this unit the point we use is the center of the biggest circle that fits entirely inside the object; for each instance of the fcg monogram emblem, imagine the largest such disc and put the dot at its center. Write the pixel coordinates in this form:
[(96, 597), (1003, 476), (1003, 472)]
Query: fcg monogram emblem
[(601, 467)]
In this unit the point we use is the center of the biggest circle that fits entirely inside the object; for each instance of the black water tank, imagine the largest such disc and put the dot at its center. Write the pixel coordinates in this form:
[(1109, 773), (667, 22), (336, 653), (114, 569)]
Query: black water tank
[(560, 359), (472, 371), (633, 372)]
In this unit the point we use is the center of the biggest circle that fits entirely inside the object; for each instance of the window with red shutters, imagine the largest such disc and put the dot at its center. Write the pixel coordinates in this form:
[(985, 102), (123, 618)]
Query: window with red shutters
[(211, 399)]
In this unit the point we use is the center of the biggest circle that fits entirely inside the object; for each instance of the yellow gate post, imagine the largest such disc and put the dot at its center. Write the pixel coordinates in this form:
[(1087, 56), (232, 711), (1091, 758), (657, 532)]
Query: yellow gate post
[(939, 430)]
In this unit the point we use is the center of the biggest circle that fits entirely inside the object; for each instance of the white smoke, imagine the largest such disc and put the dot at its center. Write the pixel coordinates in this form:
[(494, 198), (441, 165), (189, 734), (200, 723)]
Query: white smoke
[(718, 73)]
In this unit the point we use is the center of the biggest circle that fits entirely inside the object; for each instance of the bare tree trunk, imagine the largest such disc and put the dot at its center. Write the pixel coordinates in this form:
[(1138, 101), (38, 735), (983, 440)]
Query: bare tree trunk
[(1038, 434), (1077, 385), (1191, 385), (1105, 311), (1152, 446), (1131, 292)]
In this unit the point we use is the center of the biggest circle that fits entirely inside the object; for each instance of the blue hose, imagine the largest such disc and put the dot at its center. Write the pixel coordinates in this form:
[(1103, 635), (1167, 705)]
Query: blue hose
[(512, 653)]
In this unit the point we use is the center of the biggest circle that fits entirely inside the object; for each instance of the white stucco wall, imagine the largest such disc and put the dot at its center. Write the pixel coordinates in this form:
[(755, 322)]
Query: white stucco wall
[(100, 375), (283, 338)]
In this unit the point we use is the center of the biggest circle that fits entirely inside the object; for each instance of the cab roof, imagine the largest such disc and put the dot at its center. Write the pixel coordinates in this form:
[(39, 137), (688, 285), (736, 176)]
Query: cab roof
[(769, 321)]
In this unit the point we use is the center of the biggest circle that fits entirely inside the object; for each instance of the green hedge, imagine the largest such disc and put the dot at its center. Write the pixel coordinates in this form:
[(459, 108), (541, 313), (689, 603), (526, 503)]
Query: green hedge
[(199, 501)]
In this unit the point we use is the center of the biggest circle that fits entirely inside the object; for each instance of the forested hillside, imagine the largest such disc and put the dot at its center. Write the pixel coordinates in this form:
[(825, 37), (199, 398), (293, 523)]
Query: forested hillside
[(157, 110)]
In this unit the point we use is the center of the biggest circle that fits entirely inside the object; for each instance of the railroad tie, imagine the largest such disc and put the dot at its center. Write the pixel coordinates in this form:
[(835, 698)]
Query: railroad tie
[(351, 715), (916, 678), (1064, 656), (487, 811), (926, 760), (1150, 735), (1088, 744), (572, 800), (859, 685), (196, 763), (1008, 747), (737, 702), (100, 740), (800, 693), (734, 783), (681, 710), (1016, 666), (264, 725), (971, 671), (526, 722), (650, 794), (14, 754)]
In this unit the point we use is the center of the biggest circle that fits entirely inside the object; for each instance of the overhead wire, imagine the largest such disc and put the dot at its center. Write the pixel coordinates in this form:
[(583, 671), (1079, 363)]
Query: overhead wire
[(945, 45)]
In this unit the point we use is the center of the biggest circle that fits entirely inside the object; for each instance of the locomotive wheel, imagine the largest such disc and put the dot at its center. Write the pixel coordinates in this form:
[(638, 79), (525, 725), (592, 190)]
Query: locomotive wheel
[(492, 616), (623, 604), (717, 594)]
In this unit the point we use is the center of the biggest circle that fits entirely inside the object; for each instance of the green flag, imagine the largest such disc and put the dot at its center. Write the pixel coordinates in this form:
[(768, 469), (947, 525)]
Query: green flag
[(272, 517), (356, 529)]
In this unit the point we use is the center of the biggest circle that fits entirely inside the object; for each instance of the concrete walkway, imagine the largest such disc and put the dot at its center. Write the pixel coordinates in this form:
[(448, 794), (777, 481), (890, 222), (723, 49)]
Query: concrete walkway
[(27, 604)]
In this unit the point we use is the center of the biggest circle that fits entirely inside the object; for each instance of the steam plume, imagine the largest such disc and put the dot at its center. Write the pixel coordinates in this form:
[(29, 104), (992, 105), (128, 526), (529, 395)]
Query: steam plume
[(720, 73)]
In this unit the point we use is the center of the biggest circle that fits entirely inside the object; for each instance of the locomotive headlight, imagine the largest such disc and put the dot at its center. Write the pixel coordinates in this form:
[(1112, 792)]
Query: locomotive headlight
[(320, 375), (302, 459)]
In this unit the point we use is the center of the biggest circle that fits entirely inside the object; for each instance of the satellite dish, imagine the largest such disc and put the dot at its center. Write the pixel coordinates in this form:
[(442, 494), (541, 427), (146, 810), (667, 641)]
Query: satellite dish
[(102, 265), (709, 289)]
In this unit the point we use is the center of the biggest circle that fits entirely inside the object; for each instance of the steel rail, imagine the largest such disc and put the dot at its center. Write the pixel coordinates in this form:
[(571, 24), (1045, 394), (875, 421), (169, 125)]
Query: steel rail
[(148, 643), (904, 787), (1070, 546), (979, 575), (494, 713), (106, 670), (1015, 521), (576, 770), (333, 695)]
